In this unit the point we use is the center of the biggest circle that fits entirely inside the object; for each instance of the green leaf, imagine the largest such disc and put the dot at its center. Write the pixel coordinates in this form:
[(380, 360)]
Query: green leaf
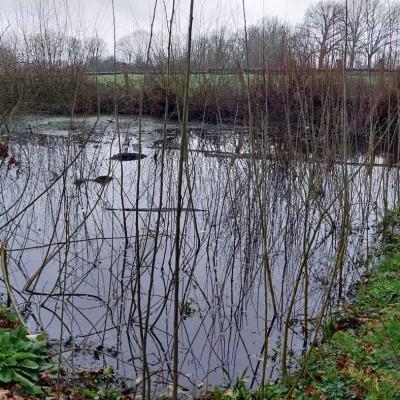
[(29, 364), (34, 390), (10, 362), (29, 374), (5, 375), (27, 356), (22, 360), (45, 366), (22, 380)]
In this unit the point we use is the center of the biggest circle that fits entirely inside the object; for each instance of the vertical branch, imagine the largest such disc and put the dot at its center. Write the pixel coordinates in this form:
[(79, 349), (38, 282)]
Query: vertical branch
[(10, 297), (143, 328), (182, 160), (124, 216), (346, 206)]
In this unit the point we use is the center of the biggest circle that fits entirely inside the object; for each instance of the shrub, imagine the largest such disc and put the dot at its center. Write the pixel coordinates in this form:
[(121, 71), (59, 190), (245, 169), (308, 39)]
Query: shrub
[(23, 360)]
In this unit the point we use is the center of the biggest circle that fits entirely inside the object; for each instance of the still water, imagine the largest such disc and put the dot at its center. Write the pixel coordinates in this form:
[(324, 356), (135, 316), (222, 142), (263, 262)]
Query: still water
[(93, 272)]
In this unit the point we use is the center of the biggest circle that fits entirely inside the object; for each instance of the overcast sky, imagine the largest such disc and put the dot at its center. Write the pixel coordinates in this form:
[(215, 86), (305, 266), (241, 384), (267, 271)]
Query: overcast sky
[(96, 15)]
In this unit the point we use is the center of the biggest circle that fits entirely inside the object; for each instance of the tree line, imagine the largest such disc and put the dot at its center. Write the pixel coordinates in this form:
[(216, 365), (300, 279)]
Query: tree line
[(364, 33)]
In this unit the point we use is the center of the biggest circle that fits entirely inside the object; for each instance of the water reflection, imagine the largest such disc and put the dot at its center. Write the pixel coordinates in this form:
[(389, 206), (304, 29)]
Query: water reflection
[(91, 270)]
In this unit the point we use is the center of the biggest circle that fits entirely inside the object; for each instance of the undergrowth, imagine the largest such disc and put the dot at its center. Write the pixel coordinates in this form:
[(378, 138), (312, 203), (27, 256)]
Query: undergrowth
[(26, 370), (23, 359)]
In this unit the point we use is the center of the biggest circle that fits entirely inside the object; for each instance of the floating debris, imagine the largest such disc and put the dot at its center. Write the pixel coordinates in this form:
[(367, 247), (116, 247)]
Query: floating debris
[(79, 181), (102, 180), (174, 132), (164, 209), (127, 156), (171, 132), (169, 142), (12, 162), (4, 154), (3, 150)]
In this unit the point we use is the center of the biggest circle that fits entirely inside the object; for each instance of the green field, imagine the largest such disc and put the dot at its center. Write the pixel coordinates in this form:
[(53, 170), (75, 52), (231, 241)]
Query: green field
[(197, 80), (223, 80)]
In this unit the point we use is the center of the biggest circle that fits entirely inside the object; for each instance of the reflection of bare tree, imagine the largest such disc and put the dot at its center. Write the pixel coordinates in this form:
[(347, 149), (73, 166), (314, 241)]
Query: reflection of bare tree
[(68, 234)]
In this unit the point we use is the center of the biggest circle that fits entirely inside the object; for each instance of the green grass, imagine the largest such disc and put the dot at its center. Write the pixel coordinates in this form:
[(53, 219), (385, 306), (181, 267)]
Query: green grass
[(134, 80), (362, 361), (197, 80), (225, 80)]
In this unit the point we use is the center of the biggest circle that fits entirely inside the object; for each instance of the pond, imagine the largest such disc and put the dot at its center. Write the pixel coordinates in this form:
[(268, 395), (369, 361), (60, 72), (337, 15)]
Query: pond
[(91, 258)]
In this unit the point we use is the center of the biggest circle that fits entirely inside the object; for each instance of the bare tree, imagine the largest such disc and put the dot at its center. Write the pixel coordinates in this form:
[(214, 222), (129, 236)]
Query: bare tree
[(393, 20), (214, 50), (356, 29), (267, 40), (132, 48), (95, 49), (324, 25), (7, 56), (379, 21), (302, 47)]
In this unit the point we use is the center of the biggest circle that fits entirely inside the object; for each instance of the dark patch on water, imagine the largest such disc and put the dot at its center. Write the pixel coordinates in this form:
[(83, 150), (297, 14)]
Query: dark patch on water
[(128, 156)]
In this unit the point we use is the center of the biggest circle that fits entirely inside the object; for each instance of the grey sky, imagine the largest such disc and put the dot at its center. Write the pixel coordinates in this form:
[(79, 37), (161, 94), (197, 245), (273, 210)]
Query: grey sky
[(91, 16)]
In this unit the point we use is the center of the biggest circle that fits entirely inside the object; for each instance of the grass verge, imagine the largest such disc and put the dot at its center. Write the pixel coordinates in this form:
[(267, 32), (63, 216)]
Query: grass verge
[(360, 355)]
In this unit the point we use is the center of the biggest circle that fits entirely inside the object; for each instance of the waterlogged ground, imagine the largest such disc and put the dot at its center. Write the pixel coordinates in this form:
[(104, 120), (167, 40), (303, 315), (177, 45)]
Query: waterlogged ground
[(97, 277)]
